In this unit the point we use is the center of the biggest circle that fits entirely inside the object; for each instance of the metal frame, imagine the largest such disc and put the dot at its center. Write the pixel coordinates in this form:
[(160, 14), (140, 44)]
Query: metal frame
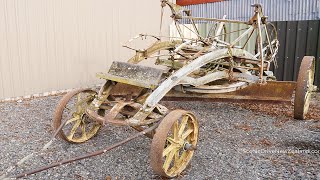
[(185, 56)]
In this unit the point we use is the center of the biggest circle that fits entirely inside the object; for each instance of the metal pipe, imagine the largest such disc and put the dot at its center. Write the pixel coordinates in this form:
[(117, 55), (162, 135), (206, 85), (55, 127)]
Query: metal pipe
[(245, 44), (241, 36), (220, 26), (214, 19), (31, 155), (192, 22), (179, 29), (218, 32), (260, 46)]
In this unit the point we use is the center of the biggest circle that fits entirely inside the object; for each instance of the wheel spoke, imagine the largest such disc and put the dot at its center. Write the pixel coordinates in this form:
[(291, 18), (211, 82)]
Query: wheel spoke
[(168, 149), (82, 103), (175, 129), (171, 140), (83, 129), (187, 133), (73, 130), (79, 103), (79, 97), (183, 125), (72, 119), (176, 158), (71, 109), (168, 161)]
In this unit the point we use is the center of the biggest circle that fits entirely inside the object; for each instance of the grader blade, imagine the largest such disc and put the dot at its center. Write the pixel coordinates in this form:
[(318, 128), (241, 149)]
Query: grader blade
[(272, 91)]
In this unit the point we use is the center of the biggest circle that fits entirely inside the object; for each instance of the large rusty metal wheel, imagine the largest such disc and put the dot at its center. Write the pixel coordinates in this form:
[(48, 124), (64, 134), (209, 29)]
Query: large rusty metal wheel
[(78, 127), (174, 143), (304, 87)]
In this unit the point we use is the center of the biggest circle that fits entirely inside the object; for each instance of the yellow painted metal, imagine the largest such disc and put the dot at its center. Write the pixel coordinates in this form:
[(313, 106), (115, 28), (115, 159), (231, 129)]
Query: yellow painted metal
[(79, 122), (157, 46), (126, 80), (183, 131)]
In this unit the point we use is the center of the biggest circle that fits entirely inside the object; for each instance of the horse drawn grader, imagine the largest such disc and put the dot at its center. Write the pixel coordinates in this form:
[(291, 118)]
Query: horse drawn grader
[(203, 68)]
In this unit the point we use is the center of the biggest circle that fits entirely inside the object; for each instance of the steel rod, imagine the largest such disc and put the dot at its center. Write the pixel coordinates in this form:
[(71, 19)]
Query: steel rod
[(24, 174), (214, 19), (260, 46), (34, 153), (241, 36), (245, 44)]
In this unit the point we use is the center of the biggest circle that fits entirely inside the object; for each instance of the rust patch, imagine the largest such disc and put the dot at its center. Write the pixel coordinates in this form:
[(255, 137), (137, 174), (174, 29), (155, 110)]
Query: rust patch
[(244, 127), (266, 142), (272, 91), (121, 89)]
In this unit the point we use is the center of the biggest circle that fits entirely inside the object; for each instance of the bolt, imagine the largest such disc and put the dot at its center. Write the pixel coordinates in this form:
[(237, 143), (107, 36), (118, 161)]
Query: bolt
[(189, 147), (174, 78)]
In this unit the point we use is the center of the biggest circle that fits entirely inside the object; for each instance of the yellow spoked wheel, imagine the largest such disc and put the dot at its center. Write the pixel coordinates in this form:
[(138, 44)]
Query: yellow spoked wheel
[(78, 128), (174, 143)]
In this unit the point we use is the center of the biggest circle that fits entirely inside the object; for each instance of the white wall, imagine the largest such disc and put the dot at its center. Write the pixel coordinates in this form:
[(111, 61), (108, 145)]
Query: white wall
[(48, 45)]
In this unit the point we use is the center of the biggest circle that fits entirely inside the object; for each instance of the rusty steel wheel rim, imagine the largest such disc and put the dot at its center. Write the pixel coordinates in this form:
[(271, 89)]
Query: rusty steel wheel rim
[(174, 143), (304, 87), (78, 128)]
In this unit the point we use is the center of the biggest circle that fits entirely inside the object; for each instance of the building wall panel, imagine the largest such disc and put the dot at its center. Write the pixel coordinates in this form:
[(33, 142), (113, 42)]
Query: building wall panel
[(317, 78), (276, 10), (48, 45), (281, 29)]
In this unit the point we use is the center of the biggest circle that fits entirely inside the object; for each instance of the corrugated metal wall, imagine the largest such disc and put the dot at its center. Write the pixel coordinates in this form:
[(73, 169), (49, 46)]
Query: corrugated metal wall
[(49, 45), (277, 10), (297, 39)]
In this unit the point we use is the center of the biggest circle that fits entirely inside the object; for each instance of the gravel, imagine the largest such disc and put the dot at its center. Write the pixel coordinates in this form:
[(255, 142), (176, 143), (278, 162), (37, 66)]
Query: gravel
[(237, 141)]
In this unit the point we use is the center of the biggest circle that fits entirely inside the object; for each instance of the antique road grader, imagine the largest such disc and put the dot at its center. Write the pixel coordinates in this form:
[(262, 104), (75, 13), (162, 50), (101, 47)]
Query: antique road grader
[(203, 68)]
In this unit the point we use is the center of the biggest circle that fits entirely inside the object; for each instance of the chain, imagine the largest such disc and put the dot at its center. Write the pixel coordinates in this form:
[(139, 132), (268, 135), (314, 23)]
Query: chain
[(275, 52)]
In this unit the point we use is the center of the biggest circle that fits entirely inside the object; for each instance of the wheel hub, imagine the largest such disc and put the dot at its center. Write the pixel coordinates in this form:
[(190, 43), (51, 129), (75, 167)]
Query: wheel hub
[(189, 147)]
